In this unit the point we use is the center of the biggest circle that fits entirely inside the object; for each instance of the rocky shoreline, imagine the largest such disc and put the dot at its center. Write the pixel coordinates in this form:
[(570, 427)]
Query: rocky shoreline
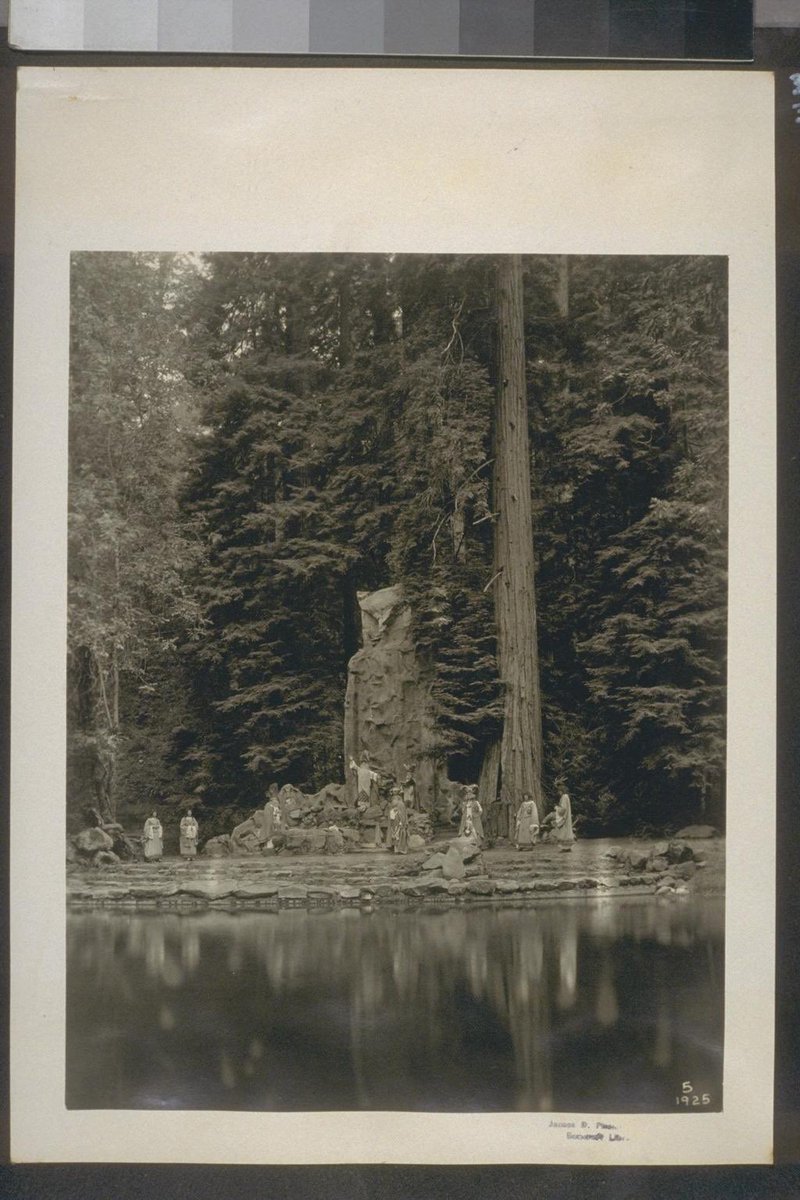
[(450, 872)]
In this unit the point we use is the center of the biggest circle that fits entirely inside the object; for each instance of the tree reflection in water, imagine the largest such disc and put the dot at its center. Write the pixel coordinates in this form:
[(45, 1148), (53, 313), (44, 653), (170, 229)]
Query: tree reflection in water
[(588, 1006)]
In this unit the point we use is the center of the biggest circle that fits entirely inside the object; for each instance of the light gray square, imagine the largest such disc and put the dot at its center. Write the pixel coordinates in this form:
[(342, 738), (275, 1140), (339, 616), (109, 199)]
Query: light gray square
[(346, 26), (120, 25), (271, 26), (186, 25)]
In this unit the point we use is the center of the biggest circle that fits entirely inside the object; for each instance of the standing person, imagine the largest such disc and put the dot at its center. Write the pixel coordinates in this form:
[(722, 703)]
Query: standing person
[(560, 822), (153, 839), (398, 823), (189, 832), (272, 821), (526, 826), (366, 778), (471, 823)]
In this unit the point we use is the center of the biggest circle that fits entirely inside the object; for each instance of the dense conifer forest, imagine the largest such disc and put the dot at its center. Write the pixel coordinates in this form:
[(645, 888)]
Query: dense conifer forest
[(257, 438)]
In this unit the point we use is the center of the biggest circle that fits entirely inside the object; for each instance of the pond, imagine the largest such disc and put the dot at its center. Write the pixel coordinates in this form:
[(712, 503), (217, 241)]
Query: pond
[(570, 1006)]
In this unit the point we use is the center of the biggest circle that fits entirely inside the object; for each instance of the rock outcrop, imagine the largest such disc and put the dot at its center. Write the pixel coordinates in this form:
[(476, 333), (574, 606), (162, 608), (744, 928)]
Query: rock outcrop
[(388, 704), (697, 831)]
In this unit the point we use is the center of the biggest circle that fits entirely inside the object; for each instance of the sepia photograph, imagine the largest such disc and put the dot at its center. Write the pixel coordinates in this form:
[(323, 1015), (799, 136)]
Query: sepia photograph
[(392, 757), (396, 668)]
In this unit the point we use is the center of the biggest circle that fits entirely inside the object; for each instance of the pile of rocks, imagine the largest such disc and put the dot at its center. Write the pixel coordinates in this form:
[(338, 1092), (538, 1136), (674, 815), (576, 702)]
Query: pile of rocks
[(104, 845), (669, 865), (460, 859)]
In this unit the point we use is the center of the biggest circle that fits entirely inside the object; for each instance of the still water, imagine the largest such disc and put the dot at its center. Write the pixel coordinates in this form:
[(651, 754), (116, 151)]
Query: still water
[(575, 1006)]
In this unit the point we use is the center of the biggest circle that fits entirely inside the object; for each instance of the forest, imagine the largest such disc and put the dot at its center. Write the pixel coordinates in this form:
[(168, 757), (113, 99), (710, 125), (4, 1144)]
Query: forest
[(534, 449)]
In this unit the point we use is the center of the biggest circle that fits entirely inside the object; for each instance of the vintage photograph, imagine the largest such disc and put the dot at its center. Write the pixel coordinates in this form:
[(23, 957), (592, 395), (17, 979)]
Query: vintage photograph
[(396, 682)]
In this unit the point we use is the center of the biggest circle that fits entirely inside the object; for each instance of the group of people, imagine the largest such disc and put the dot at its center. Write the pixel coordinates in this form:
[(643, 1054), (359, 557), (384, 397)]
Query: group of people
[(272, 819), (371, 788), (556, 826), (154, 837), (528, 829)]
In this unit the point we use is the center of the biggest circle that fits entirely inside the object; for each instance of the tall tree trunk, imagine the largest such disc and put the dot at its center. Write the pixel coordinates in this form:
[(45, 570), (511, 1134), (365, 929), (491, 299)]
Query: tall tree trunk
[(514, 594), (562, 287)]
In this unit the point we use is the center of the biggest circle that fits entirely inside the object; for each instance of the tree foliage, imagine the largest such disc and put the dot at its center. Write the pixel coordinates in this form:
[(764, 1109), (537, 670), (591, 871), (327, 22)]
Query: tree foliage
[(255, 438)]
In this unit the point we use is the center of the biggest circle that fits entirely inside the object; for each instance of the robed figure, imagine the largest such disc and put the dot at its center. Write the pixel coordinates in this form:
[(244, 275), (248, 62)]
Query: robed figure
[(272, 821), (526, 828), (189, 832), (365, 779), (153, 839), (471, 823), (560, 823), (398, 824)]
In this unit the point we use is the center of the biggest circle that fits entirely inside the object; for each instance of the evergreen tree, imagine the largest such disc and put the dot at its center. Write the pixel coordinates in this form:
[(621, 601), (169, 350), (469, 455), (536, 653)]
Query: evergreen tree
[(633, 527), (130, 413)]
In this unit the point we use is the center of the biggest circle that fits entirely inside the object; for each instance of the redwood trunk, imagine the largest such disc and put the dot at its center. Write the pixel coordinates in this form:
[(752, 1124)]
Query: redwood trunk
[(514, 594)]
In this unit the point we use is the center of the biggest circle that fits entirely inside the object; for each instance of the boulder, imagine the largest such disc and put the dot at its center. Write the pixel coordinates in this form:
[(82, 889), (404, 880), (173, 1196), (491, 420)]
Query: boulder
[(685, 870), (636, 860), (466, 848), (332, 794), (416, 842), (697, 831), (218, 847), (106, 858), (292, 798), (434, 863), (305, 840), (661, 850), (294, 891), (256, 891), (507, 886), (659, 864), (89, 841), (481, 886), (679, 852), (207, 889), (453, 864), (334, 841)]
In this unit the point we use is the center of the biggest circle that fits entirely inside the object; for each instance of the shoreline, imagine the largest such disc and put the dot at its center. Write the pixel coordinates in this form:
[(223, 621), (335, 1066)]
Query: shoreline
[(591, 870)]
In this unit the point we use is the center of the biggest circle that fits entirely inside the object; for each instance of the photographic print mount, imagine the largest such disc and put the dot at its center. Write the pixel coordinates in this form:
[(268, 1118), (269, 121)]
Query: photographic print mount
[(495, 195)]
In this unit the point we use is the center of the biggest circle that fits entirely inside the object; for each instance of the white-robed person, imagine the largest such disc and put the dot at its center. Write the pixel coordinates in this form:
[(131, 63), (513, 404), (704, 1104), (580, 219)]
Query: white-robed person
[(366, 777), (560, 823), (526, 825), (471, 816), (153, 839), (189, 832)]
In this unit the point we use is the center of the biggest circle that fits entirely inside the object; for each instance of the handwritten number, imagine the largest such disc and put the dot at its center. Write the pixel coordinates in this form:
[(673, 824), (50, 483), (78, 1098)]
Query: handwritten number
[(689, 1098)]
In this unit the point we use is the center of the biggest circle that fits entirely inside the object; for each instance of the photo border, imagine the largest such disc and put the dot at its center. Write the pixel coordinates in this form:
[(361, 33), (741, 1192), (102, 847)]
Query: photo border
[(80, 127)]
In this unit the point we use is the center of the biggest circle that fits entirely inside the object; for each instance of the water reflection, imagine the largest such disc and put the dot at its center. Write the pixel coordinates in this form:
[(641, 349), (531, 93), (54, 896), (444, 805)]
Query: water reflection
[(599, 1006)]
